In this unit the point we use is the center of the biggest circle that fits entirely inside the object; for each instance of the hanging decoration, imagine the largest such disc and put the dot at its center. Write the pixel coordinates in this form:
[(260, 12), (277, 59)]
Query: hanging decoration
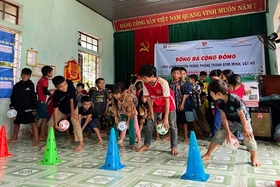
[(72, 71)]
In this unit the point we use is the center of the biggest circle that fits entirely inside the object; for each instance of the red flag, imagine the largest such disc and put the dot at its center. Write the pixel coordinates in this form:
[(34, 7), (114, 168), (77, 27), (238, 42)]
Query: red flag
[(144, 43)]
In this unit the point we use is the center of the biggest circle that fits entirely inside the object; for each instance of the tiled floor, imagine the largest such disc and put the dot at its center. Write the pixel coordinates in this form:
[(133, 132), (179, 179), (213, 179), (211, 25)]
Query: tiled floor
[(154, 168)]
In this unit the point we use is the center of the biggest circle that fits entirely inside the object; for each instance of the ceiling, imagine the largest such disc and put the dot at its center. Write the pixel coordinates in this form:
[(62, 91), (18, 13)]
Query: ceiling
[(123, 9)]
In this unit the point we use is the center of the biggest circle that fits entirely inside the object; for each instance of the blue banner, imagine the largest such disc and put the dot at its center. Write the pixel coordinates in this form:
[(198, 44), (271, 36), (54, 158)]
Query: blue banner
[(7, 42), (6, 82)]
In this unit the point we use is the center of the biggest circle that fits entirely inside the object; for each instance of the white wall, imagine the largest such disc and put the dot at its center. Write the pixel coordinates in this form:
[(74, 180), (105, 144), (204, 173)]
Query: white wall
[(51, 28)]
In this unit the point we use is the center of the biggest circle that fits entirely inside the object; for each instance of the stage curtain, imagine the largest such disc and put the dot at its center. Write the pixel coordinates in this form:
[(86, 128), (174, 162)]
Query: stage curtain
[(124, 56), (222, 28), (144, 41)]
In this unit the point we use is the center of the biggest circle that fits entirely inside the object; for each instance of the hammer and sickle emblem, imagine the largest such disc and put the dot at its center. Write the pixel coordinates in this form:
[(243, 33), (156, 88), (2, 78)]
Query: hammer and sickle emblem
[(144, 46)]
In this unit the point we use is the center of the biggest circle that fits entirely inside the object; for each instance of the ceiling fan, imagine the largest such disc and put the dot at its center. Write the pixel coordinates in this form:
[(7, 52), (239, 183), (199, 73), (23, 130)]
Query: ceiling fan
[(269, 41)]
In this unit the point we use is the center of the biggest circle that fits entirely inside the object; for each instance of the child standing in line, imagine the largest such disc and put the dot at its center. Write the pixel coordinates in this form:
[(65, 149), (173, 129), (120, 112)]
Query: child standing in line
[(176, 86), (79, 92), (89, 117), (202, 78), (204, 103), (201, 121), (24, 101), (234, 116), (109, 118), (124, 110), (100, 99), (183, 74), (42, 92), (160, 99)]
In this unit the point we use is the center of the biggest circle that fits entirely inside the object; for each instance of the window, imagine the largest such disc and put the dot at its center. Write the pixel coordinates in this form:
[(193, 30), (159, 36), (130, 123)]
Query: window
[(9, 12), (17, 50), (90, 68), (88, 42)]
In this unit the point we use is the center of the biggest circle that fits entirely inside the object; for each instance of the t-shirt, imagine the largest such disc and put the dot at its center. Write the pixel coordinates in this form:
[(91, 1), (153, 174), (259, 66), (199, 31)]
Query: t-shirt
[(85, 113), (42, 82), (239, 91), (187, 90), (204, 107), (231, 108), (176, 87), (79, 97), (99, 99), (61, 100), (158, 93)]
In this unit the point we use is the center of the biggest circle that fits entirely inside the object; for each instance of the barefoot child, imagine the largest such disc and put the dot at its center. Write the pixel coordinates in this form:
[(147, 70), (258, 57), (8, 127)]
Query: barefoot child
[(42, 92), (176, 84), (124, 110), (89, 117), (24, 101), (157, 91), (234, 116)]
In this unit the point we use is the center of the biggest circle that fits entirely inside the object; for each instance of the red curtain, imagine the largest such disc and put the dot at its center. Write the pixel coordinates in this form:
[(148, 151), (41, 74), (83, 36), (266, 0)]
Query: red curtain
[(144, 42)]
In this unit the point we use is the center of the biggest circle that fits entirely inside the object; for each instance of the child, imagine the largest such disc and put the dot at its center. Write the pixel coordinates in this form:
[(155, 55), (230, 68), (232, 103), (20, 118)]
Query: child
[(100, 98), (89, 117), (142, 110), (23, 100), (124, 110), (235, 85), (42, 92), (226, 73), (204, 103), (183, 74), (176, 85), (234, 116), (109, 119), (79, 92), (202, 78), (200, 124), (65, 103), (157, 91)]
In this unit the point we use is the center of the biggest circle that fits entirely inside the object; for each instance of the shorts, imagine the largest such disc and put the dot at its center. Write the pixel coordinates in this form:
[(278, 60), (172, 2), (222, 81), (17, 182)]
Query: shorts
[(92, 124), (42, 112), (191, 115), (25, 118), (181, 117), (250, 143)]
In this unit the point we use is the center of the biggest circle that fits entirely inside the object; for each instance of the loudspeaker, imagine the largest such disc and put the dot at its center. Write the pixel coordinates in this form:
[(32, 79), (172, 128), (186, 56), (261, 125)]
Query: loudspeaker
[(261, 122)]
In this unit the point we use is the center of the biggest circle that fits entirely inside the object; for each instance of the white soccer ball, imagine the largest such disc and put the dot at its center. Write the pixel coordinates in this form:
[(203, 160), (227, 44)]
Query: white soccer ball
[(161, 129), (12, 113), (64, 124), (122, 126), (233, 144)]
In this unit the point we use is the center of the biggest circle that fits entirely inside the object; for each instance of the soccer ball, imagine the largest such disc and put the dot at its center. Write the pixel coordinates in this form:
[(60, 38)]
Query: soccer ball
[(12, 113), (122, 126), (64, 124), (233, 144), (161, 129)]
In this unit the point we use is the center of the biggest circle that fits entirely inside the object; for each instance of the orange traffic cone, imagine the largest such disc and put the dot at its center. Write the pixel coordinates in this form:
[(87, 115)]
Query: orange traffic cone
[(4, 152)]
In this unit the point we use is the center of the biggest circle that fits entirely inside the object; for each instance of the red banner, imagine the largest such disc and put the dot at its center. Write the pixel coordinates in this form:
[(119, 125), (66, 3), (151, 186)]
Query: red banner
[(72, 71), (144, 45), (192, 14)]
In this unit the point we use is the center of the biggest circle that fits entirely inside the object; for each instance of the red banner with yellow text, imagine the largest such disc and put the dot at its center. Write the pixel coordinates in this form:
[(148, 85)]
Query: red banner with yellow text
[(144, 44), (192, 14)]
